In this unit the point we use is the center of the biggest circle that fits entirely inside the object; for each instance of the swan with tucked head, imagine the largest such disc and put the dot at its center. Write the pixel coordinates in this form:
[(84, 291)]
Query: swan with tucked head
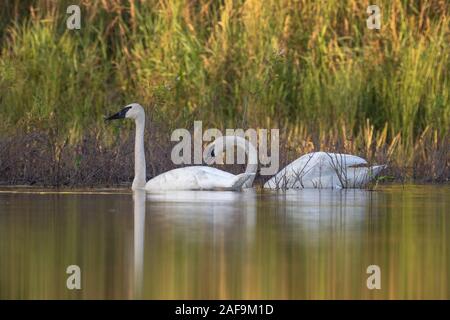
[(186, 178), (325, 170), (313, 170)]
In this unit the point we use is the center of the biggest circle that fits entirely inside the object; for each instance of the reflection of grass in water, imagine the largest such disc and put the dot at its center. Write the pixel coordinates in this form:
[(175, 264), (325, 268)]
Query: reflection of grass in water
[(311, 68), (293, 259), (296, 248)]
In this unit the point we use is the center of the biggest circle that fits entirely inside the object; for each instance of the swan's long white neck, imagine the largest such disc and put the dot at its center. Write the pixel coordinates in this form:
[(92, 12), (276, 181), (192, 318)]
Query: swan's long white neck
[(249, 149), (139, 155)]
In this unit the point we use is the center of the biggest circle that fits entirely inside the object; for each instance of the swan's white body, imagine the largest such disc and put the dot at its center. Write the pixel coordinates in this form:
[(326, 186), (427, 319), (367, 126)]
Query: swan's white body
[(197, 178), (324, 170), (187, 178), (223, 143)]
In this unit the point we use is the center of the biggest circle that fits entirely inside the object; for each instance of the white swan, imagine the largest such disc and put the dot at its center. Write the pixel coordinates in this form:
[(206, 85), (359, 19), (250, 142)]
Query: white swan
[(218, 146), (187, 178), (324, 170)]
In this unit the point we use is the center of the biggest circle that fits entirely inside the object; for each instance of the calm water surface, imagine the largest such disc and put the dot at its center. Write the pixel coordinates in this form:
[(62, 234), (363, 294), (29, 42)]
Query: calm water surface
[(226, 245)]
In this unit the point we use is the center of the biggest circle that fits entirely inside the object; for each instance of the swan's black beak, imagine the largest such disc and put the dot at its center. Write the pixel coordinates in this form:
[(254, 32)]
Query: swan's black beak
[(119, 115)]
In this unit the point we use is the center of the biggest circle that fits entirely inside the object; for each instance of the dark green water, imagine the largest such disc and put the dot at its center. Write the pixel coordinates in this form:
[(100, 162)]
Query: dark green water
[(252, 245)]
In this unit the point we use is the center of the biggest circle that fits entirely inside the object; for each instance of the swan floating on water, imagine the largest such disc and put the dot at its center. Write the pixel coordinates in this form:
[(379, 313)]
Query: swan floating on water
[(324, 170), (186, 178), (220, 143)]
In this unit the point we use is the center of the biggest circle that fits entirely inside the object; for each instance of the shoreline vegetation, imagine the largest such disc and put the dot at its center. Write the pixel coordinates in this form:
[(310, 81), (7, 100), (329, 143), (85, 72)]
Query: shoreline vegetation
[(311, 69)]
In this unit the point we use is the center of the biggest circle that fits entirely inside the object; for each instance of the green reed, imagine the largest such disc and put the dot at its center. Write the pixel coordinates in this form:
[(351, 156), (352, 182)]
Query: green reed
[(229, 63)]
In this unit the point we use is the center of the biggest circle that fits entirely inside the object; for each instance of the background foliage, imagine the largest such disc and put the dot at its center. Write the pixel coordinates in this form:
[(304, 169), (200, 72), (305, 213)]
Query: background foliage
[(311, 68)]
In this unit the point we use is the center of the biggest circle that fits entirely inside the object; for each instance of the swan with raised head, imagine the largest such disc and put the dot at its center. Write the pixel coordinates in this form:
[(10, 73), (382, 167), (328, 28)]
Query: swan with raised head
[(186, 178), (324, 170), (223, 143)]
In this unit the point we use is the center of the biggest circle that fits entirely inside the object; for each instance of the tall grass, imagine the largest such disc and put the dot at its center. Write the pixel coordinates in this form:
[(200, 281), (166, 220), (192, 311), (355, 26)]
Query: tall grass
[(309, 66)]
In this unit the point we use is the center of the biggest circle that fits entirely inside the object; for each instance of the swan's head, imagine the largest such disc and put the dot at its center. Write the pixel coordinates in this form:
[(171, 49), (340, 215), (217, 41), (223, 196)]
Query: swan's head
[(132, 111), (213, 152)]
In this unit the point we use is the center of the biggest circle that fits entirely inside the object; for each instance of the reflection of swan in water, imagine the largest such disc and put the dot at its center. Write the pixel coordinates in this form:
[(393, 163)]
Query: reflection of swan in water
[(204, 196), (139, 236), (190, 208), (221, 212), (187, 178), (318, 212)]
